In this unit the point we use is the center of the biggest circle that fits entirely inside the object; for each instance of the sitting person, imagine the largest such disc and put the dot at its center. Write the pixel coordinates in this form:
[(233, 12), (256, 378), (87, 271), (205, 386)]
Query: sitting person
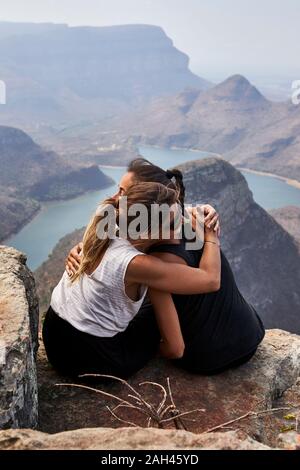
[(86, 328), (219, 329)]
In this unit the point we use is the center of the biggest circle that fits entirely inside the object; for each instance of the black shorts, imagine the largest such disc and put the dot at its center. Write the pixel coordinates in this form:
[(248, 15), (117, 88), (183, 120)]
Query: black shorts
[(74, 352)]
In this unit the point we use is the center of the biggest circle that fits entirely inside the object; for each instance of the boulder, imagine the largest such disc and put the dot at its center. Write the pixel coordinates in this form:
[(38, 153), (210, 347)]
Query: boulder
[(18, 342), (290, 440)]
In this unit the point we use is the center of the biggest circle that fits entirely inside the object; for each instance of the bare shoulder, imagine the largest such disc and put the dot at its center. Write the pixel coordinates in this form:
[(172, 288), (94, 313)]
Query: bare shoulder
[(146, 268), (142, 262)]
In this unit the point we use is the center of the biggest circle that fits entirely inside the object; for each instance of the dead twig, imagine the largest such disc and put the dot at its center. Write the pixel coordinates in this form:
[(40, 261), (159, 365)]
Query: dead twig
[(124, 382), (182, 414), (159, 414), (250, 414), (165, 395), (178, 422), (121, 419), (109, 395)]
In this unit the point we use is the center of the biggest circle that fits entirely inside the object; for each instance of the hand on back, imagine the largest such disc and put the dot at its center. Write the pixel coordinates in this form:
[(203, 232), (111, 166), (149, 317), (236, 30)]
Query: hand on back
[(73, 259)]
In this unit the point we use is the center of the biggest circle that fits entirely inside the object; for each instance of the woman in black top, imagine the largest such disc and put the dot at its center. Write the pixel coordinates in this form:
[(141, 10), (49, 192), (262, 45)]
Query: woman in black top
[(220, 329)]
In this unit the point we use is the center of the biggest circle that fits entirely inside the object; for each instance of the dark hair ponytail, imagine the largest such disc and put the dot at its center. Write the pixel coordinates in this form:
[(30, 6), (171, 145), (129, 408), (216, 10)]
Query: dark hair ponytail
[(174, 173), (146, 171)]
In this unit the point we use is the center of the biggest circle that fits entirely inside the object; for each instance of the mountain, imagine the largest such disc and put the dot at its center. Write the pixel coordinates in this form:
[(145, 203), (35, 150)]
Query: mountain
[(264, 257), (214, 118), (29, 174), (233, 119), (56, 74), (23, 162), (11, 29), (84, 89)]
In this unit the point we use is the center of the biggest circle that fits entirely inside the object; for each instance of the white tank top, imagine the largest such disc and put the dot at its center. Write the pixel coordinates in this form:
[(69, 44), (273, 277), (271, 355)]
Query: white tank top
[(97, 303)]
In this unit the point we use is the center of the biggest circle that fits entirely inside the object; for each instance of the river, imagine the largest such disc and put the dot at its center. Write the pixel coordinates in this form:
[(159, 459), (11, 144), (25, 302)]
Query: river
[(38, 238)]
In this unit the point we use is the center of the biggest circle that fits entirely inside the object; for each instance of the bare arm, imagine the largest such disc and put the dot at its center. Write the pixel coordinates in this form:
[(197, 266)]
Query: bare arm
[(180, 279), (172, 345), (211, 218)]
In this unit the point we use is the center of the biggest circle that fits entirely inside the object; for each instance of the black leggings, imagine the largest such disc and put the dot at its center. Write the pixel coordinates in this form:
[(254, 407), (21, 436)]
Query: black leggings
[(74, 352)]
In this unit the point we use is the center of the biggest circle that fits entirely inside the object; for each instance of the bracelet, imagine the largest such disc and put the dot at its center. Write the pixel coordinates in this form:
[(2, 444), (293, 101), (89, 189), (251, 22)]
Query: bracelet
[(209, 241)]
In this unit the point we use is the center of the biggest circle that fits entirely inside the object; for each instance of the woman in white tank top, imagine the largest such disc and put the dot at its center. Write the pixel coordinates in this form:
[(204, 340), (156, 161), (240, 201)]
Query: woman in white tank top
[(90, 312), (97, 303)]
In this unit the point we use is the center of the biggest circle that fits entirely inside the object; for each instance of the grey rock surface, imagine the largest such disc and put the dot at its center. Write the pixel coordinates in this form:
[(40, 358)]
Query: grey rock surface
[(19, 320)]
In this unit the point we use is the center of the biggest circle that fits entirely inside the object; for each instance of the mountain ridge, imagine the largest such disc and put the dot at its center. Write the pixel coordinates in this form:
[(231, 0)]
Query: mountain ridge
[(62, 74), (232, 119)]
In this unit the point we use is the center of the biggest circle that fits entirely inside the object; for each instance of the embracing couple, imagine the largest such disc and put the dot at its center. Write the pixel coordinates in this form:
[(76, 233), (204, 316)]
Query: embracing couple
[(123, 300)]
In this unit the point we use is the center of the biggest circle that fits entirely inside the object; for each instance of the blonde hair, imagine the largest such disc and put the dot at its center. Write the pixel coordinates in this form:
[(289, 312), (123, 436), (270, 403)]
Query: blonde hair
[(143, 193)]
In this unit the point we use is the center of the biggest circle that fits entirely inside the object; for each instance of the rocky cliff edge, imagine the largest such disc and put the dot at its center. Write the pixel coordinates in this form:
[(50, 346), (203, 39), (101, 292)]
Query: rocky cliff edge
[(255, 406)]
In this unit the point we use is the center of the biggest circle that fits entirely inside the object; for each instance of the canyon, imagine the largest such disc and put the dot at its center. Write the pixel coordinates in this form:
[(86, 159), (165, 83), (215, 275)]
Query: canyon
[(31, 175)]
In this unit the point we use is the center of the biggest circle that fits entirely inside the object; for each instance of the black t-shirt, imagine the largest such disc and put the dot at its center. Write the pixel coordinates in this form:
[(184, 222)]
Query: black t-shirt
[(218, 327)]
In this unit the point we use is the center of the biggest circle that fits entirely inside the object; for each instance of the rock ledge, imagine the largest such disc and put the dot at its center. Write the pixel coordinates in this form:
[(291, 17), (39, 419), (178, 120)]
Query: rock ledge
[(128, 438)]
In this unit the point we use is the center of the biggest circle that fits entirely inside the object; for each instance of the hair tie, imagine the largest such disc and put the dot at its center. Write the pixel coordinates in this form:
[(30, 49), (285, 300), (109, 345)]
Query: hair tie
[(171, 176)]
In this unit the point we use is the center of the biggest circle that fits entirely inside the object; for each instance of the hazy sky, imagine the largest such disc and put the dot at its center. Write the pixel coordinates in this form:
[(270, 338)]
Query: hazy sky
[(222, 37)]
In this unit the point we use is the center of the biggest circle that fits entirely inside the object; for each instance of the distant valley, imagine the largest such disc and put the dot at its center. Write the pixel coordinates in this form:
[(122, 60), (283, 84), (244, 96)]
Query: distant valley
[(30, 175)]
